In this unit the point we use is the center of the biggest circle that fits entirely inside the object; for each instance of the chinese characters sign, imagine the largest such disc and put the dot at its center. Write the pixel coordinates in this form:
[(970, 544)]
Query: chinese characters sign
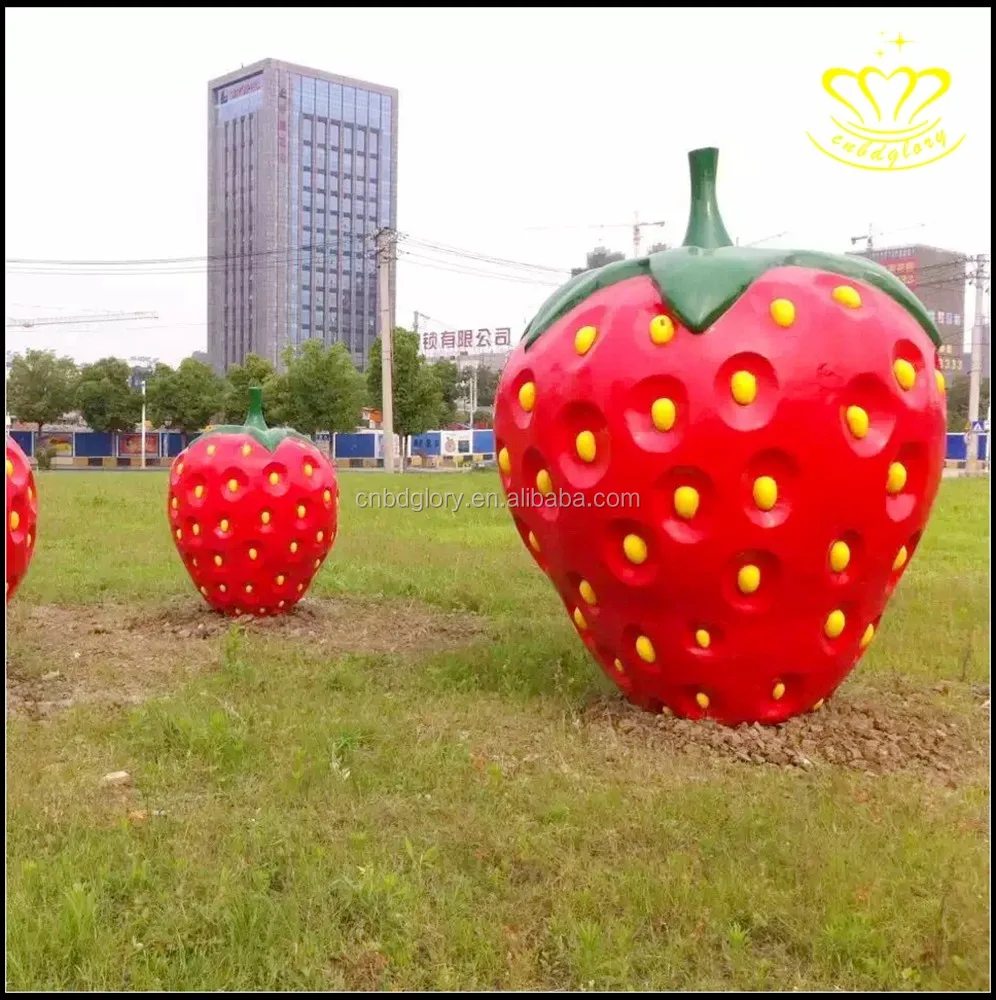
[(453, 342), (904, 270), (951, 358)]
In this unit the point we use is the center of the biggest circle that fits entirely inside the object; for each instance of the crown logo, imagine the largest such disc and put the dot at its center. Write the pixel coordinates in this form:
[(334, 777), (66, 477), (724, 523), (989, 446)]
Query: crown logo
[(887, 103), (891, 121)]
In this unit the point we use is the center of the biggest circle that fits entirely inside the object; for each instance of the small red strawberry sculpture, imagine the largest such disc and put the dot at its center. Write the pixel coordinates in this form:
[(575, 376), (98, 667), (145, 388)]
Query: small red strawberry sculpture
[(253, 512), (22, 516), (724, 458)]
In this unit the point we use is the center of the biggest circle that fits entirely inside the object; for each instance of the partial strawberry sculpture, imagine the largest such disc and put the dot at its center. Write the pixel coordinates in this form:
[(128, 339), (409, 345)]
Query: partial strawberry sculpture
[(739, 450), (22, 516), (253, 512)]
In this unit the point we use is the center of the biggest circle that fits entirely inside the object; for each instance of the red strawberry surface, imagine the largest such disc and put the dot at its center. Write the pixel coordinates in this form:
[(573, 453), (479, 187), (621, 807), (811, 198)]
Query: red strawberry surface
[(253, 512), (745, 444), (22, 516)]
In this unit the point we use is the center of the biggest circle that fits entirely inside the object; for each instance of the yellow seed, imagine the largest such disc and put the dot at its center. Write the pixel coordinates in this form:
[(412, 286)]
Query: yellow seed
[(179, 468), (196, 529), (857, 421), (900, 561), (30, 539), (533, 542), (300, 510), (818, 705), (702, 700), (840, 556), (179, 533), (318, 563), (645, 649), (309, 469), (293, 546), (765, 492), (198, 491), (280, 604), (174, 503), (618, 665), (222, 587), (587, 593), (274, 478), (585, 445), (504, 462), (218, 560), (319, 536), (204, 591), (584, 338), (834, 624), (300, 587), (868, 635), (223, 524), (846, 296), (246, 450), (941, 384), (248, 588), (635, 549), (253, 553), (31, 493), (703, 638), (193, 562), (743, 385), (686, 502), (10, 467), (543, 482), (265, 517), (897, 477), (661, 330), (905, 374), (233, 485), (211, 449), (579, 619), (238, 612), (783, 312), (663, 413), (280, 580), (777, 691), (327, 496), (748, 579), (527, 396), (15, 521)]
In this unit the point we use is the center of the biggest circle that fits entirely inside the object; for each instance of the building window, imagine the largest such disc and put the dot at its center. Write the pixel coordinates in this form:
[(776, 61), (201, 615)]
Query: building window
[(306, 126)]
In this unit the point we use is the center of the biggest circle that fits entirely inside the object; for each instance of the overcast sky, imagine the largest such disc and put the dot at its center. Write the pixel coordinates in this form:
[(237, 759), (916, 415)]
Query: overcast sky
[(521, 132)]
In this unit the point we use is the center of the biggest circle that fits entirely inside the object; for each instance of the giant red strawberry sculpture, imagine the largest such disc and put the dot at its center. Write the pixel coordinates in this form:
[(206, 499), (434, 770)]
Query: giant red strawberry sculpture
[(253, 512), (739, 449), (22, 516)]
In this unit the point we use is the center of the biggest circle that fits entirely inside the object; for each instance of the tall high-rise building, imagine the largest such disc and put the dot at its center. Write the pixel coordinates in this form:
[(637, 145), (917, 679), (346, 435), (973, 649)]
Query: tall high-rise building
[(302, 173)]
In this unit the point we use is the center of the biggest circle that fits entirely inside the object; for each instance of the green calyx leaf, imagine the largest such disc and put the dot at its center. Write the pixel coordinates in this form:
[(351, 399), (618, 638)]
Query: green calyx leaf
[(702, 279), (255, 426)]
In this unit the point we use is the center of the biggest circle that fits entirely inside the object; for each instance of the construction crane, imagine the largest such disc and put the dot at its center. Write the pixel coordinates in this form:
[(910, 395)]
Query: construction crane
[(636, 226), (27, 324), (870, 237)]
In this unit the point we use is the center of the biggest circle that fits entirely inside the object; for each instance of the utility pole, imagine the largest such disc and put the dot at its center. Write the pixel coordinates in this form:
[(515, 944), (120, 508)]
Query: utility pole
[(975, 372), (143, 423), (638, 232), (415, 322), (385, 252)]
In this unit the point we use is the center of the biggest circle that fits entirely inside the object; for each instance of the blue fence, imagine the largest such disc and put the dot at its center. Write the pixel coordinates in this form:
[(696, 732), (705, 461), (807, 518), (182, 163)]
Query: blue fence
[(91, 447)]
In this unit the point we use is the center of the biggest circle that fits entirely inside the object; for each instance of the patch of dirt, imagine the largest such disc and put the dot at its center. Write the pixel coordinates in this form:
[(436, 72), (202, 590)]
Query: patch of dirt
[(59, 656), (904, 729)]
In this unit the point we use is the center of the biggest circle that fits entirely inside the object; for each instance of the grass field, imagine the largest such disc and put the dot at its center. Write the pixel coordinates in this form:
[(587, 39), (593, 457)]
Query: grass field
[(422, 782)]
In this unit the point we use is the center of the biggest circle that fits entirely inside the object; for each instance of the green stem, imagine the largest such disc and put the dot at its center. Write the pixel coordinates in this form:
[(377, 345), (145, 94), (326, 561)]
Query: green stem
[(255, 415), (705, 225)]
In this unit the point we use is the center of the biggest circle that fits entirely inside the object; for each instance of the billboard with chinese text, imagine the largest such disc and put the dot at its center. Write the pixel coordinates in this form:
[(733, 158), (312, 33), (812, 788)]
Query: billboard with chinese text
[(452, 343)]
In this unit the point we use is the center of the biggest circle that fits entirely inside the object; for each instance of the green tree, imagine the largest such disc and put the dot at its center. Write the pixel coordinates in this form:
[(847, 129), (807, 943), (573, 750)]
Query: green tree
[(451, 382), (185, 399), (41, 387), (240, 378), (418, 395), (321, 391), (957, 393), (105, 398), (487, 386)]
